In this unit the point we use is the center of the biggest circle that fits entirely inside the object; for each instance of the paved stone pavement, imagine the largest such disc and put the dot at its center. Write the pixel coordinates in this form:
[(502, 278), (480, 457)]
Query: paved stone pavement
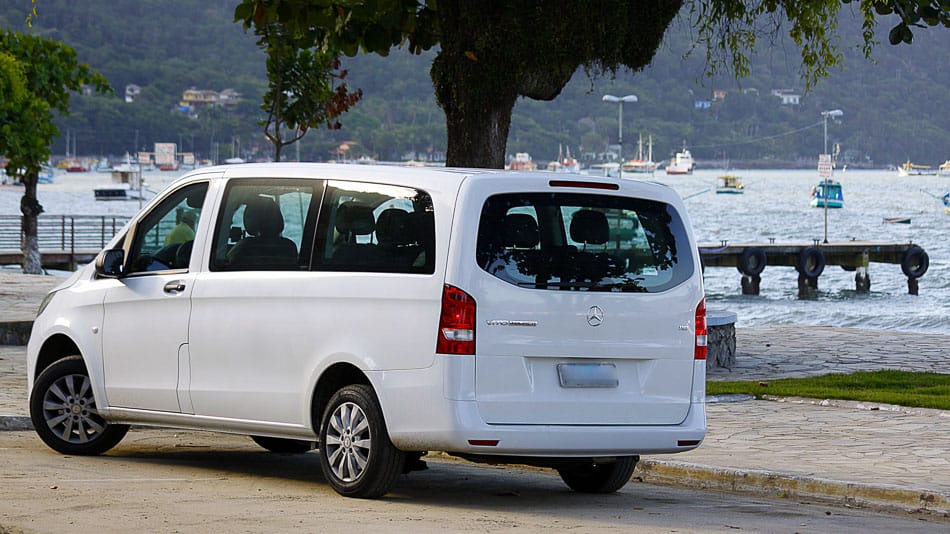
[(800, 351), (21, 294), (847, 452)]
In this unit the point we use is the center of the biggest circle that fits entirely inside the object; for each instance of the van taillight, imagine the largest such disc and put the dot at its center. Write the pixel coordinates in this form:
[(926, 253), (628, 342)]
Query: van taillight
[(456, 323), (699, 352)]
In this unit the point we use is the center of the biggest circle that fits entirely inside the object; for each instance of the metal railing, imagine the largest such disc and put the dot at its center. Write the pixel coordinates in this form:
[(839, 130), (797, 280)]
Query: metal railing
[(67, 233)]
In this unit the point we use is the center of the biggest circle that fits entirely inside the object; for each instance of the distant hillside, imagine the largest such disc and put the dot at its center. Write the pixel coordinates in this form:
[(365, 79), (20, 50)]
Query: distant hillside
[(894, 109)]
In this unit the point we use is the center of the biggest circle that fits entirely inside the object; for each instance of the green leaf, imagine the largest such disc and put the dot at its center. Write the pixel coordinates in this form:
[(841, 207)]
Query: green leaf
[(243, 12), (895, 36)]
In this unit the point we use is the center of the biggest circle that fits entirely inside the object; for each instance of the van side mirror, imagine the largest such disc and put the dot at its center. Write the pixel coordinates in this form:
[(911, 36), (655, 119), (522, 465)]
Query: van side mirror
[(110, 263)]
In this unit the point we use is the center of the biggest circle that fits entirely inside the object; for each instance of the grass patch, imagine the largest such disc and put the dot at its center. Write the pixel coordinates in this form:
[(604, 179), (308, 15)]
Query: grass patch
[(904, 388)]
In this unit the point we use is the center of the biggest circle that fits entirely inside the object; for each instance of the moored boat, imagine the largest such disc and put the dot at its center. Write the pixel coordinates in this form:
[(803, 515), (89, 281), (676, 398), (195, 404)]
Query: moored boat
[(912, 169), (642, 165), (522, 162), (827, 194), (76, 165), (730, 184), (944, 168), (564, 163), (682, 163)]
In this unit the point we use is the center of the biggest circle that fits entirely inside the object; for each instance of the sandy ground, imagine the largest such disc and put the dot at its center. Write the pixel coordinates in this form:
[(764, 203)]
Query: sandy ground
[(167, 481)]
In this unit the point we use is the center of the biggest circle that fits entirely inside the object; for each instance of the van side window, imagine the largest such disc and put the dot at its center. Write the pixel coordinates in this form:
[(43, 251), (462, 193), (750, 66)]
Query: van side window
[(164, 238), (375, 228), (266, 224)]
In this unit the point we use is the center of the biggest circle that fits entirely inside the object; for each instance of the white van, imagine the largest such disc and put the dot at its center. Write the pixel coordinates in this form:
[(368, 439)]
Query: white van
[(375, 312)]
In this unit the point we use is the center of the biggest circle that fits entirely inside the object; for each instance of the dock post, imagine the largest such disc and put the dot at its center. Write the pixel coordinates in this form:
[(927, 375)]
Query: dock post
[(862, 279), (750, 284), (806, 286), (911, 285)]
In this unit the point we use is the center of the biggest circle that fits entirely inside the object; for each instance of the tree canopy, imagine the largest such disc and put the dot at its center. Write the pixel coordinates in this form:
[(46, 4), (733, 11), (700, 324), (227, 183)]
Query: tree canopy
[(494, 51), (306, 87)]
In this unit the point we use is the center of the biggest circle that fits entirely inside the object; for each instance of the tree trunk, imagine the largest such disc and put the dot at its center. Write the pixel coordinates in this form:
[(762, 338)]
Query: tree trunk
[(475, 84), (477, 128), (30, 208)]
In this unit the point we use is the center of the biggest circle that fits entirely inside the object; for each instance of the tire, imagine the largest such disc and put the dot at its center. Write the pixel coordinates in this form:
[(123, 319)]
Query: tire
[(356, 456), (811, 262), (915, 262), (752, 262), (593, 477), (64, 414), (283, 445)]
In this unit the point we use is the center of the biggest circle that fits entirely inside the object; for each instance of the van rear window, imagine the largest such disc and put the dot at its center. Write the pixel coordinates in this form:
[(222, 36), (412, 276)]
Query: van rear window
[(582, 242)]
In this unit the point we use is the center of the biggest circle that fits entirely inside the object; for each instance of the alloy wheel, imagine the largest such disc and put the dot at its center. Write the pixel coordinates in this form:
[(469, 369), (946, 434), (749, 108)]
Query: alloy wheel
[(69, 410), (348, 442)]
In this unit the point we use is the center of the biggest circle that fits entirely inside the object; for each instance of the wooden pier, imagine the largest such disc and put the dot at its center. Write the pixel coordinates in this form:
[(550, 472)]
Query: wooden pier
[(810, 259), (65, 240)]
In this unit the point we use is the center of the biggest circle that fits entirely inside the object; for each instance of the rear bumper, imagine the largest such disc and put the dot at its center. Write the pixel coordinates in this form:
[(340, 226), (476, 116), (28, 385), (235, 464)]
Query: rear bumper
[(419, 420)]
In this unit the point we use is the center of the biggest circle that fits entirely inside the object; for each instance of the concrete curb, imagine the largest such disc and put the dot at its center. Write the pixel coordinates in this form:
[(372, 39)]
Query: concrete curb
[(15, 422), (786, 485), (15, 332)]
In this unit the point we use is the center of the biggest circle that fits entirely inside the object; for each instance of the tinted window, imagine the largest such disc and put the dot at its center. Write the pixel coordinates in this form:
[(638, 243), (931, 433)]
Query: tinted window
[(266, 224), (164, 237), (376, 228), (583, 242)]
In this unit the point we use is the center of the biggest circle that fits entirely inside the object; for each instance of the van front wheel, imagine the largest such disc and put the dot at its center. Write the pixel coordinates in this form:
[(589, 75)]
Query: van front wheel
[(64, 412), (356, 456), (594, 477)]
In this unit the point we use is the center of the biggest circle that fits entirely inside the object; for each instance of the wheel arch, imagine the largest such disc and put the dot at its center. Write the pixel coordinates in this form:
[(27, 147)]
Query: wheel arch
[(333, 378), (56, 347)]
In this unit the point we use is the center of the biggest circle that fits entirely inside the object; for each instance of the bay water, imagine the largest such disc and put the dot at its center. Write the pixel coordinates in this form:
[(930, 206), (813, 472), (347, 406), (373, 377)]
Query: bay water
[(775, 205)]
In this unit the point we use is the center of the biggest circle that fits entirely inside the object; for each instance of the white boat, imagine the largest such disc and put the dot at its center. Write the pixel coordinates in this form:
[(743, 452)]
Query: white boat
[(103, 165), (642, 165), (522, 162), (911, 169), (564, 163), (682, 163), (944, 168)]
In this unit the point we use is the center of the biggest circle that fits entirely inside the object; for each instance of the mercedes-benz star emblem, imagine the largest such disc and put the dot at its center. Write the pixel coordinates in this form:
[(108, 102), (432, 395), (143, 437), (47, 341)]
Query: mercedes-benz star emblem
[(595, 316)]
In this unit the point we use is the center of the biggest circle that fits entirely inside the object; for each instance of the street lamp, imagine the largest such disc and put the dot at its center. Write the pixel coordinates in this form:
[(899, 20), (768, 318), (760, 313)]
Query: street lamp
[(619, 100), (833, 113)]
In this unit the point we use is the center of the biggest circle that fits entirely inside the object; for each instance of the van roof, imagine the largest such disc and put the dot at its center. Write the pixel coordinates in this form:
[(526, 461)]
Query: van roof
[(438, 178)]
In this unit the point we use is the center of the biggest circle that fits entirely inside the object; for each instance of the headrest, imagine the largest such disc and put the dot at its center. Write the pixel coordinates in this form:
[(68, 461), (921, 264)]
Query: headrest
[(262, 218), (590, 227), (394, 227), (355, 218), (521, 230)]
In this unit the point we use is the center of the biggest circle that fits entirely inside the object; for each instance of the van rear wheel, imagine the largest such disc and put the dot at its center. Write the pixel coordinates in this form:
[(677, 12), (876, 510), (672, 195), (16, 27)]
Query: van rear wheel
[(356, 456), (595, 477), (64, 412)]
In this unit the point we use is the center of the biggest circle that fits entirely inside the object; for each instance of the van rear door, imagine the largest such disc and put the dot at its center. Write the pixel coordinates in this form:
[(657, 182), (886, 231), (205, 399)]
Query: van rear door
[(586, 309)]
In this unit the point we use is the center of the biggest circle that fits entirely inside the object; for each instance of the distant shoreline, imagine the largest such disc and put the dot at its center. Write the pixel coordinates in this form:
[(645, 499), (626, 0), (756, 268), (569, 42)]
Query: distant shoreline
[(759, 164)]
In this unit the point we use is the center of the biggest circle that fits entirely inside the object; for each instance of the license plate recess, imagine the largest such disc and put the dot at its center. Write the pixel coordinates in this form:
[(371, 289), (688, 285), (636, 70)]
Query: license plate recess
[(587, 375)]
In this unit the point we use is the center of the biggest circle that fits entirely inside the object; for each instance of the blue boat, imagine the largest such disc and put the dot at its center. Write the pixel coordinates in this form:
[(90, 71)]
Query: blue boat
[(827, 193)]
